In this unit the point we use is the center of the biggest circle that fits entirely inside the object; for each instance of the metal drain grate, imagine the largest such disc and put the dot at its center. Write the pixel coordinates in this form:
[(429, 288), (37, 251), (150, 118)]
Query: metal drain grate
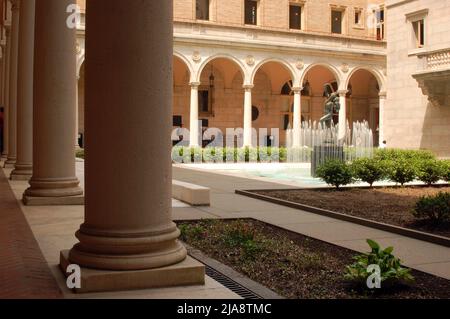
[(230, 284)]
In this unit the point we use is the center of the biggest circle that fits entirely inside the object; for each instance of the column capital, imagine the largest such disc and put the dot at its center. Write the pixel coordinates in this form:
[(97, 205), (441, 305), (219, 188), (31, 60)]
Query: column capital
[(248, 87), (194, 85), (382, 95), (297, 89), (342, 93)]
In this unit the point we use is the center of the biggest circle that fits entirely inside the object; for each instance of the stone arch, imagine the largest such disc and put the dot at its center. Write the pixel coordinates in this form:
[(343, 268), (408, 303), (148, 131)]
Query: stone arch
[(229, 57), (188, 65), (376, 73), (330, 67), (282, 62)]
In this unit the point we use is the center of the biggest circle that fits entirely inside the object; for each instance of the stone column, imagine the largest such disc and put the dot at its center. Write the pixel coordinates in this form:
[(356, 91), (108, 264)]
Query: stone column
[(54, 181), (342, 114), (248, 115), (24, 164), (77, 111), (297, 116), (12, 110), (6, 90), (193, 119), (128, 226), (382, 96)]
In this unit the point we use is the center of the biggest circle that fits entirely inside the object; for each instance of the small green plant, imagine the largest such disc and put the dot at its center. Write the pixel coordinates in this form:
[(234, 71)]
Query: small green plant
[(435, 208), (335, 173), (391, 271), (191, 231), (369, 170), (242, 236), (401, 171), (430, 171)]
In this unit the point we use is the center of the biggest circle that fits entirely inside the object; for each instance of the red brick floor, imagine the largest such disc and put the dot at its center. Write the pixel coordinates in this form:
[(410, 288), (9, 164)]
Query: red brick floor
[(24, 273)]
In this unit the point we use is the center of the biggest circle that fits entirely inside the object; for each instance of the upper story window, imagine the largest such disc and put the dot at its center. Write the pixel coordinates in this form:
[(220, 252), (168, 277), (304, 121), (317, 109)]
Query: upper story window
[(419, 33), (379, 16), (251, 12), (336, 21), (202, 9), (295, 16), (358, 18)]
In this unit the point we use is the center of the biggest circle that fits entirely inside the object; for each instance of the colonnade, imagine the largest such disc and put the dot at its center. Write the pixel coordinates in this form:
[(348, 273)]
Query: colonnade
[(128, 239)]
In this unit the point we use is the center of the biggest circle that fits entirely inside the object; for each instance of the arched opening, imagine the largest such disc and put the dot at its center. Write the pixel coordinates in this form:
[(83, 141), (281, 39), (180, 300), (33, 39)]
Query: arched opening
[(181, 93), (272, 97), (314, 81), (220, 95), (363, 100)]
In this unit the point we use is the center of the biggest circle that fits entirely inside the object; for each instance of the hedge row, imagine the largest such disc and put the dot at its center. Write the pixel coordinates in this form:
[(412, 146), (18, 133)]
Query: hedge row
[(398, 166)]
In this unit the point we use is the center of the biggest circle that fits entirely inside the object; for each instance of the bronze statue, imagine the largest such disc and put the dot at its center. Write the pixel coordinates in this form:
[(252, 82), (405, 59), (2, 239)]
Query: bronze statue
[(332, 105)]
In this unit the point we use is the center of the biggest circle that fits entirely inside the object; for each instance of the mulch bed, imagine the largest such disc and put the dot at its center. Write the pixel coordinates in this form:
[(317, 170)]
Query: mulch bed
[(390, 205), (294, 265)]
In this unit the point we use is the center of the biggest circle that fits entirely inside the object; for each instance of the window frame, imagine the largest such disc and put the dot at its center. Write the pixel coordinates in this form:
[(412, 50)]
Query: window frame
[(301, 5), (258, 13), (209, 10)]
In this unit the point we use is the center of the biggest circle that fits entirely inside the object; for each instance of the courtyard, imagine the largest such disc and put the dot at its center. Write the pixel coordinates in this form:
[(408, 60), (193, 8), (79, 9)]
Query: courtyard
[(200, 151)]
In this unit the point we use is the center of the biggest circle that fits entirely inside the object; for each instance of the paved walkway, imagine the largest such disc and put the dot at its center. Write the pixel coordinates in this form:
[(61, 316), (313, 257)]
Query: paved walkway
[(24, 273), (53, 227), (428, 257)]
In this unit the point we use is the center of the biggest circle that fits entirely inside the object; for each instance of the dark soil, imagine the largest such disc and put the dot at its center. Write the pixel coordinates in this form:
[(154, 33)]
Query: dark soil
[(390, 205), (293, 265)]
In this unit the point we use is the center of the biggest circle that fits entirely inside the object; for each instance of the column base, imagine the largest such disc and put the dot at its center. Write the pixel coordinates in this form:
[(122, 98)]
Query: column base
[(21, 173), (9, 164), (185, 273), (52, 201)]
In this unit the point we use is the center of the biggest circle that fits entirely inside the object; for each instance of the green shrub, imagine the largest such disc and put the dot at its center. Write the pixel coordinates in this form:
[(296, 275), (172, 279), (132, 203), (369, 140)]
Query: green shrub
[(435, 208), (430, 171), (392, 154), (446, 170), (79, 153), (240, 235), (401, 171), (391, 270), (369, 170), (336, 173)]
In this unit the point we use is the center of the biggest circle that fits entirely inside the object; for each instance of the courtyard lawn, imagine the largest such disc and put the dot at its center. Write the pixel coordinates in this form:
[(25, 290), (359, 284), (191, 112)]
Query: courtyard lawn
[(293, 265), (390, 205)]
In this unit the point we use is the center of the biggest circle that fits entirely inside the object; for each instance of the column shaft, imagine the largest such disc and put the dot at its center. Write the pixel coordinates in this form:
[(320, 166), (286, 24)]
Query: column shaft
[(53, 179), (342, 115), (248, 116), (381, 120), (12, 116), (23, 167), (128, 219), (6, 93), (297, 121), (193, 119)]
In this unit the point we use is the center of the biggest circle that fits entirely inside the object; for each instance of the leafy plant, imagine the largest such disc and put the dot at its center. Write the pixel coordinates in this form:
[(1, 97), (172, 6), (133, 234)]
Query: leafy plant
[(336, 173), (401, 171), (369, 170), (242, 236), (430, 171), (435, 208), (446, 170), (390, 266)]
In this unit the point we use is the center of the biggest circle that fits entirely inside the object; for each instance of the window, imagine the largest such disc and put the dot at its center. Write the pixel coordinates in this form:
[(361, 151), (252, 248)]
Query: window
[(336, 21), (202, 9), (419, 33), (177, 120), (358, 17), (251, 12), (295, 16), (380, 24), (203, 101)]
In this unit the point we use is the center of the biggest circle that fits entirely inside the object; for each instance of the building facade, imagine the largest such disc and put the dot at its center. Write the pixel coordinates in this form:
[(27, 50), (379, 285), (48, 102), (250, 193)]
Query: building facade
[(264, 64), (418, 66)]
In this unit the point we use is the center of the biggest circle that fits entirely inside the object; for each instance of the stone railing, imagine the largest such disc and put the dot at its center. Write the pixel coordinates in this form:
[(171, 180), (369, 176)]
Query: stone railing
[(438, 60)]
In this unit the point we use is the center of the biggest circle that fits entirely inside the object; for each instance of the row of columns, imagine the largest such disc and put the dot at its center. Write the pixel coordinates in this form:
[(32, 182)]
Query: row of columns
[(194, 140), (128, 221)]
